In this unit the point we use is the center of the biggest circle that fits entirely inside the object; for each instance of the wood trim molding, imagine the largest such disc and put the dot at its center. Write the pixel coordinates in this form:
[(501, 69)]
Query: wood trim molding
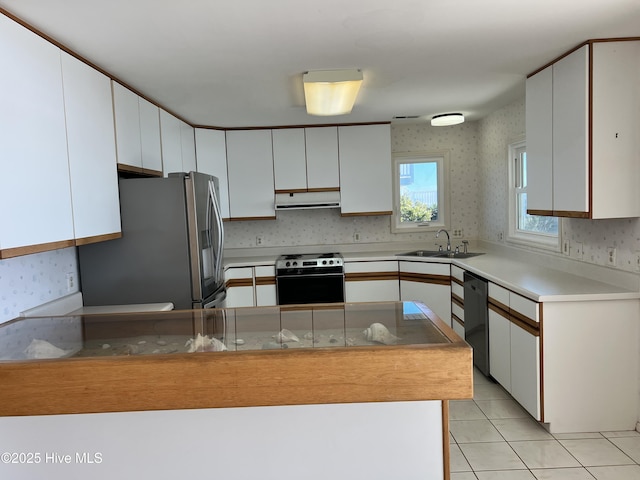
[(365, 214), (458, 281), (279, 127), (97, 238), (29, 249), (515, 317), (540, 213), (425, 278), (570, 214), (446, 454), (244, 219), (265, 281), (239, 282), (370, 276), (457, 319), (147, 172), (236, 379), (308, 190), (498, 307), (457, 300)]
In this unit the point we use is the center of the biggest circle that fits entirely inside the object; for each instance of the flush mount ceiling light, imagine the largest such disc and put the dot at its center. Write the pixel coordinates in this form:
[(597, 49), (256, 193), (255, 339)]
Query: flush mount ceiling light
[(447, 119), (331, 92)]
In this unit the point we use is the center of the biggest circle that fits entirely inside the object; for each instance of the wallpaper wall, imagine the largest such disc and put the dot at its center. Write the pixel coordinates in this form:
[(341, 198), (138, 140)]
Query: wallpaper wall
[(31, 280), (495, 132)]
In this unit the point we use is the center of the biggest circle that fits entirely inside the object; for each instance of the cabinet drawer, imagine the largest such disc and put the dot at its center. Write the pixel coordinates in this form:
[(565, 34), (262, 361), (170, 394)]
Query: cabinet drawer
[(427, 268), (237, 273), (499, 294), (525, 307), (265, 271), (368, 267), (457, 273), (457, 290), (457, 310)]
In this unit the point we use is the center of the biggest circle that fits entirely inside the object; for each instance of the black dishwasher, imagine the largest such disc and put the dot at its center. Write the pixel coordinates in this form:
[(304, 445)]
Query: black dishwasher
[(476, 319)]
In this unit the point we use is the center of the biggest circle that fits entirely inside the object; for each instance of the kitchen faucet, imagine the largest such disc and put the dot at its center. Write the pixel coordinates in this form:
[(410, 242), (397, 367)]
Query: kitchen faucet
[(448, 238)]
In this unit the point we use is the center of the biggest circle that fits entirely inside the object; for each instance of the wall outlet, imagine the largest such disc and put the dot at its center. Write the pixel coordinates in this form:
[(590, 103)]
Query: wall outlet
[(636, 259), (611, 256), (259, 240), (457, 233), (566, 247), (356, 236), (577, 251), (71, 281), (501, 236)]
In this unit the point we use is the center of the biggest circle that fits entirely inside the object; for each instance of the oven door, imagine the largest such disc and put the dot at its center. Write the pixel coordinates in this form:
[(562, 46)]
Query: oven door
[(295, 289)]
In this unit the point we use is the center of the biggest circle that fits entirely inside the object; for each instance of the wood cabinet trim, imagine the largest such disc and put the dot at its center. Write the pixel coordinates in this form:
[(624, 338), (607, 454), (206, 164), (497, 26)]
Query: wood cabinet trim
[(265, 281), (97, 238), (39, 248), (239, 282), (370, 276), (457, 300), (364, 214), (456, 280), (244, 219), (308, 190), (446, 441), (426, 278), (147, 172), (457, 319)]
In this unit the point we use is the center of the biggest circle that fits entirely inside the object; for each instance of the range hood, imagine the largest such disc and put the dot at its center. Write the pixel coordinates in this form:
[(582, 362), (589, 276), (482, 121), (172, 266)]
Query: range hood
[(302, 200)]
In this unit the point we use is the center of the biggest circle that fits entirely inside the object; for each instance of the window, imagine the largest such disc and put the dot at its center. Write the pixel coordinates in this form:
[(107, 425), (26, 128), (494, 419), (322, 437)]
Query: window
[(524, 228), (420, 192)]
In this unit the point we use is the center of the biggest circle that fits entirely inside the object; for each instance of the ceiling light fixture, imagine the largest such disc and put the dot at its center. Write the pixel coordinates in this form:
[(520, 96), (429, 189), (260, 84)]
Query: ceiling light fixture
[(447, 119), (331, 92)]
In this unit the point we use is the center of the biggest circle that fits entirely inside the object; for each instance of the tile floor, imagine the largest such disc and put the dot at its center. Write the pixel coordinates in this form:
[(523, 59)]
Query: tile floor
[(493, 438)]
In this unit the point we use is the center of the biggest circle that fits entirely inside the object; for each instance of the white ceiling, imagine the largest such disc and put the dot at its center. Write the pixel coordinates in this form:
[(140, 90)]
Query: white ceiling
[(232, 63)]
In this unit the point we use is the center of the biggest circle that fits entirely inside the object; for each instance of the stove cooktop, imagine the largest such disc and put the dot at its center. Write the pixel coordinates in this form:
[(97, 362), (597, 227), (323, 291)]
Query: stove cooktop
[(310, 260)]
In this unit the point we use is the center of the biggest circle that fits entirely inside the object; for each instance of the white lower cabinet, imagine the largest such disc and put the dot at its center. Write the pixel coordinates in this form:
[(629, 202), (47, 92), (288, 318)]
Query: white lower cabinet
[(514, 346), (265, 280), (371, 281), (429, 283), (240, 289)]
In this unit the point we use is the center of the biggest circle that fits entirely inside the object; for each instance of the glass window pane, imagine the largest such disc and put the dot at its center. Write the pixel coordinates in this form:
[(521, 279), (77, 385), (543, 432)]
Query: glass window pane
[(534, 223), (418, 192)]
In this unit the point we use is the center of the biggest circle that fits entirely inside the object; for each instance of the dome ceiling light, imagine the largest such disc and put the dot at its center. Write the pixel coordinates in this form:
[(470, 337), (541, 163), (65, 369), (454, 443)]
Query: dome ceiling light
[(446, 119)]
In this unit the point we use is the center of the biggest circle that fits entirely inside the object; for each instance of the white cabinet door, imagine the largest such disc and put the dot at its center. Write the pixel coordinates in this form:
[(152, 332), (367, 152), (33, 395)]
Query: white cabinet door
[(171, 143), (365, 169), (188, 148), (265, 279), (151, 148), (211, 153), (500, 349), (323, 170), (127, 121), (539, 112), (250, 169), (289, 159), (35, 198), (525, 369), (570, 132), (240, 289), (92, 150), (428, 283)]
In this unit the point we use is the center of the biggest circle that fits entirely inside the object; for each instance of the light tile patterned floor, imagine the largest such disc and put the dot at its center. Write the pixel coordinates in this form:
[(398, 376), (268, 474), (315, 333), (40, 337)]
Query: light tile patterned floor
[(493, 438)]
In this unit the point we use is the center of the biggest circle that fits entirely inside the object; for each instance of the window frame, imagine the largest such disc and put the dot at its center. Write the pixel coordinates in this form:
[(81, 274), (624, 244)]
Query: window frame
[(442, 158), (514, 235)]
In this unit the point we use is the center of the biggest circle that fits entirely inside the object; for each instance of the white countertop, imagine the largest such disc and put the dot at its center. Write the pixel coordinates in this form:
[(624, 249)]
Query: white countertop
[(523, 272)]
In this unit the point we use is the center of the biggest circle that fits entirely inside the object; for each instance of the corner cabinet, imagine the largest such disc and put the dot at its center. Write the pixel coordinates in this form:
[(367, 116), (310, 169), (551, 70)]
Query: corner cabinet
[(365, 169), (250, 170), (429, 283), (582, 119)]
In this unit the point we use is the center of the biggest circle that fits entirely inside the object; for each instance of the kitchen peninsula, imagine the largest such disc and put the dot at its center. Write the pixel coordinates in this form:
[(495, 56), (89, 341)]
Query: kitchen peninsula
[(325, 380)]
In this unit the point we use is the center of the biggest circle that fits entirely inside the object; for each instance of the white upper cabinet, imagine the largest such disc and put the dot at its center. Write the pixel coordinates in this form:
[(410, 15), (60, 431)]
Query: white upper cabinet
[(306, 159), (250, 170), (92, 152), (211, 152), (127, 120), (171, 143), (151, 149), (323, 171), (365, 169), (188, 147), (583, 115), (33, 145), (289, 160), (137, 130)]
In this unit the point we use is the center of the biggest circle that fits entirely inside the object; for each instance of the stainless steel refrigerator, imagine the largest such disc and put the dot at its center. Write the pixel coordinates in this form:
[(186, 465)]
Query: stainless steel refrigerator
[(170, 250)]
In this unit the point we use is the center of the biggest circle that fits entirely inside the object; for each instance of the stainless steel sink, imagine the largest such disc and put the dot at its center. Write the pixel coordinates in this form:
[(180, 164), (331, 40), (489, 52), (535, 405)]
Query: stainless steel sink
[(435, 253)]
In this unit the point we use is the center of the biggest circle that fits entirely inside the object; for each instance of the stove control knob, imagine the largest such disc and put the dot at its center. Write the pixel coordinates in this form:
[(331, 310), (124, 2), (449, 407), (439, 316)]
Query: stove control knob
[(330, 262), (288, 264), (295, 264), (324, 262)]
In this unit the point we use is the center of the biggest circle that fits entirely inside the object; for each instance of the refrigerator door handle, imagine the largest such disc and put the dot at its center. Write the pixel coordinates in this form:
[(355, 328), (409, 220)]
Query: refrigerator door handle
[(213, 202)]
